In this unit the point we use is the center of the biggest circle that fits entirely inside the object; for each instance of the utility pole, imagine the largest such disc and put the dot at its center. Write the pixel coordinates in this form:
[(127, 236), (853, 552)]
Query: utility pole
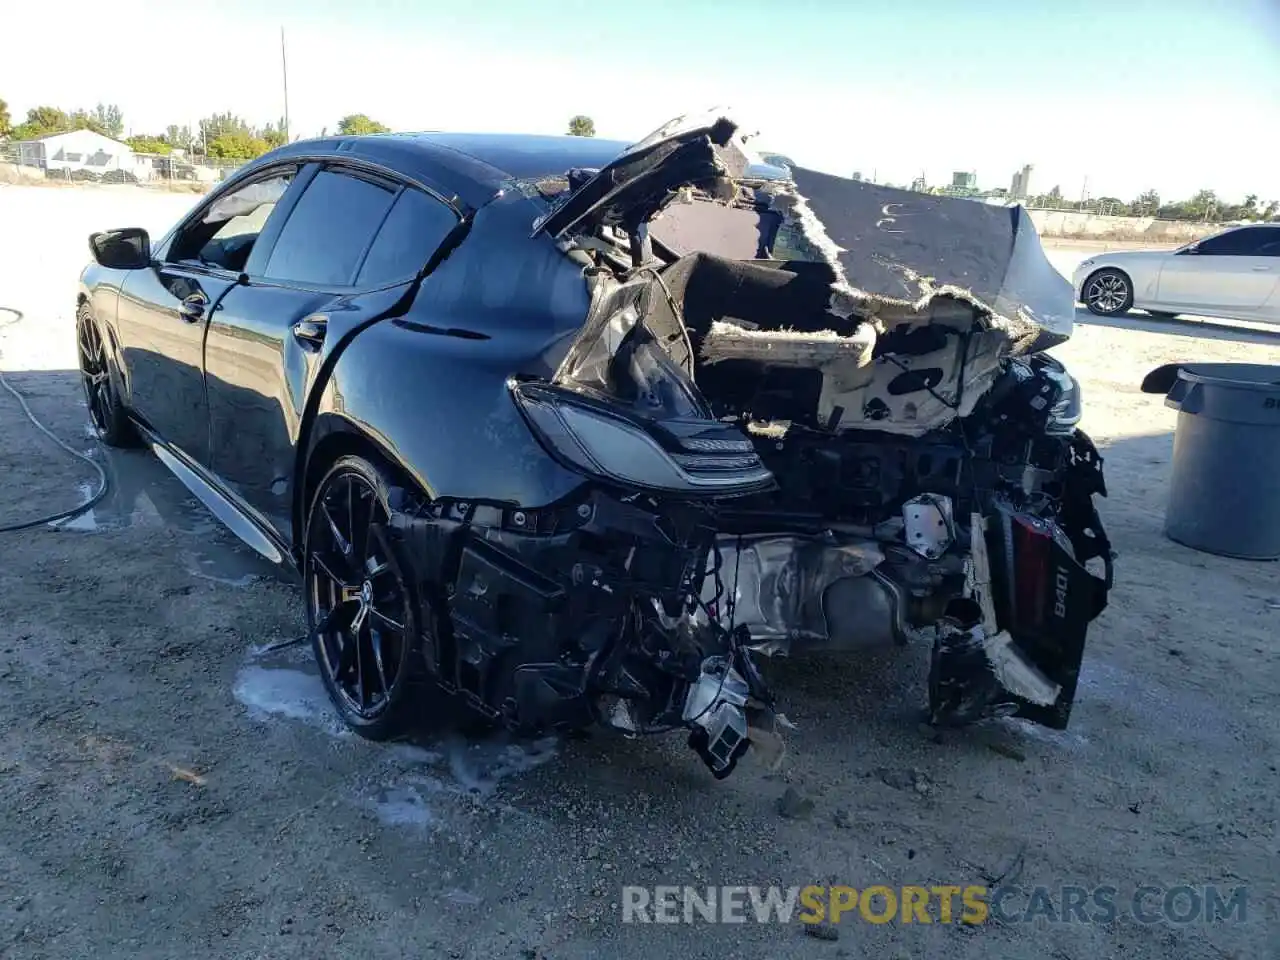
[(284, 71), (1084, 190)]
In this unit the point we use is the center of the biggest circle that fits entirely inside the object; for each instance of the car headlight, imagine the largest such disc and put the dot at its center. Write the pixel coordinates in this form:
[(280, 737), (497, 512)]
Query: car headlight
[(681, 457), (1065, 412)]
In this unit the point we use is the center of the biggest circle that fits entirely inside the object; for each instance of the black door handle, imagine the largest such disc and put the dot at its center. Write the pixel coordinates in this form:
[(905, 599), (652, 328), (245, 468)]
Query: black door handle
[(311, 329), (192, 308)]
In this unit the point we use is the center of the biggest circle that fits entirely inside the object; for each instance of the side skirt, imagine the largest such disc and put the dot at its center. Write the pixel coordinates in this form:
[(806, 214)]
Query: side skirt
[(236, 515)]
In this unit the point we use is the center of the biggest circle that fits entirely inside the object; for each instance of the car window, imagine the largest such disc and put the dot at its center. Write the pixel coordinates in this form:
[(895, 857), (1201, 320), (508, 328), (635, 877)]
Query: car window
[(413, 230), (329, 230), (1245, 242), (224, 236), (1269, 246)]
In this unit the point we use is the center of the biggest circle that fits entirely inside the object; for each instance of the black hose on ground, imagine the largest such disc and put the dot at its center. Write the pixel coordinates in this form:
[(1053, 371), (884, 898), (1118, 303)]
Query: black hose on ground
[(22, 401)]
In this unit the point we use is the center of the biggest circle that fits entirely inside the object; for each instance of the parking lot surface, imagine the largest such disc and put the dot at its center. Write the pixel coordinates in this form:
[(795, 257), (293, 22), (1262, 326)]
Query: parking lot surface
[(167, 790)]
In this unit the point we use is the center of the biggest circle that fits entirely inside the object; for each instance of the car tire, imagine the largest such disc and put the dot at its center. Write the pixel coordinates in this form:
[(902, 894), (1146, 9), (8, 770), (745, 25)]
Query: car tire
[(362, 614), (1162, 315), (107, 414), (1108, 292)]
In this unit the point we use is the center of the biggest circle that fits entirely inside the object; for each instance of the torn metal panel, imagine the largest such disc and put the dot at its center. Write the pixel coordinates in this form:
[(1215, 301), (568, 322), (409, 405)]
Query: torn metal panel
[(975, 674), (896, 253), (928, 525), (645, 178)]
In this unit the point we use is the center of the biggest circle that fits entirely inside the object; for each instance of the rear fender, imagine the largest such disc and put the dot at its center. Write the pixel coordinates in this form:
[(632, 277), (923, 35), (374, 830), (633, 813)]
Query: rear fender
[(436, 403)]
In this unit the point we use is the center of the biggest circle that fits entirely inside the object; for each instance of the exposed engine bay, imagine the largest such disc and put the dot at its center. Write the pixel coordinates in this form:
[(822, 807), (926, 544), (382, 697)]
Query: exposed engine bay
[(783, 461)]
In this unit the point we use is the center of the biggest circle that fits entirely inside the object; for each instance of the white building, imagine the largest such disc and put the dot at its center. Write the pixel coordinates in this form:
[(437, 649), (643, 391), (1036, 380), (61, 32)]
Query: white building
[(60, 154), (1020, 189)]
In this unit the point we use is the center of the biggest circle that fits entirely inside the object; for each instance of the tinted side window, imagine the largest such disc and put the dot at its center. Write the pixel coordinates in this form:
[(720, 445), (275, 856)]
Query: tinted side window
[(414, 228), (329, 230), (1246, 242), (1269, 243), (225, 235)]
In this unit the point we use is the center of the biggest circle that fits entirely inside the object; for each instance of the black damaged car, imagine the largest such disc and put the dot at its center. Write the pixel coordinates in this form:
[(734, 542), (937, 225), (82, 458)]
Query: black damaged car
[(579, 431)]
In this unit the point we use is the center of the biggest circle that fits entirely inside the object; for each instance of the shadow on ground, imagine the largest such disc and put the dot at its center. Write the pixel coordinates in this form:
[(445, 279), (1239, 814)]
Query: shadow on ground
[(1194, 327)]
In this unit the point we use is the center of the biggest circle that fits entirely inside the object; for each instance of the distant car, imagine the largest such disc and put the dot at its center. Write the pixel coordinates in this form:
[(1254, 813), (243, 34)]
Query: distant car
[(1234, 274)]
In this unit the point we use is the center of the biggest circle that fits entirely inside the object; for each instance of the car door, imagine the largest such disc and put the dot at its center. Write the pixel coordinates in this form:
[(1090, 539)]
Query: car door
[(345, 254), (163, 310), (1227, 273)]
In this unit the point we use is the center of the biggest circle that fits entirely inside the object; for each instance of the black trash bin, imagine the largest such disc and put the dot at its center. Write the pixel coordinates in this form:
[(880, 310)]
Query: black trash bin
[(1224, 496)]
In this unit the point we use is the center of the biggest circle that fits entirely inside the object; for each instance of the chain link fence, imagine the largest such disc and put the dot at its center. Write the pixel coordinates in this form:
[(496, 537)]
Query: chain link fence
[(31, 161)]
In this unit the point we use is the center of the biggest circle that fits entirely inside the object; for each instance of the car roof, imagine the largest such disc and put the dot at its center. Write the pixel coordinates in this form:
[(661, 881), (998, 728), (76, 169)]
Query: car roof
[(526, 156), (468, 166)]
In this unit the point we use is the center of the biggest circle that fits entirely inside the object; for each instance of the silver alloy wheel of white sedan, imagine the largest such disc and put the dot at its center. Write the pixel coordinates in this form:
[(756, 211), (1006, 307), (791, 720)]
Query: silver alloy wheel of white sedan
[(1107, 293)]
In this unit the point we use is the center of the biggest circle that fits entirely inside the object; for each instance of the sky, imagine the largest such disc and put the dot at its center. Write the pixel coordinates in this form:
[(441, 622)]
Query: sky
[(1104, 97)]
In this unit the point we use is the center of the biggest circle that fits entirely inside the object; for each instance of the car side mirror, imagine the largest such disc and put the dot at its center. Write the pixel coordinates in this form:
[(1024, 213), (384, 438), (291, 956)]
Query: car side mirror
[(125, 249), (1194, 248)]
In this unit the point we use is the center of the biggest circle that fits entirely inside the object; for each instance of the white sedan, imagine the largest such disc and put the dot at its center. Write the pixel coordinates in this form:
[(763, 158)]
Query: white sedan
[(1234, 274)]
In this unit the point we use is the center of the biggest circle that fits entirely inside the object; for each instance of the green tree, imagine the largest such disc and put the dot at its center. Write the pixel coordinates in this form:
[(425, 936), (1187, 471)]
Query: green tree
[(1180, 210), (1272, 211), (582, 126), (6, 126), (146, 144), (41, 122), (237, 145), (84, 120), (219, 124), (109, 120), (273, 135), (358, 124), (179, 138), (1146, 205), (1205, 205), (1243, 211)]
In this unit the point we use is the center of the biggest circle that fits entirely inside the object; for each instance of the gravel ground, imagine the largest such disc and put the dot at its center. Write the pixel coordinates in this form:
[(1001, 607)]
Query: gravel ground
[(168, 790)]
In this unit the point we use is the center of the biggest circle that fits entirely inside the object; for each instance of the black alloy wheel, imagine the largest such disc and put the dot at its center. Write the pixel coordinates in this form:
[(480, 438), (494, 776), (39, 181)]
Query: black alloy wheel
[(1108, 293), (360, 613), (110, 422)]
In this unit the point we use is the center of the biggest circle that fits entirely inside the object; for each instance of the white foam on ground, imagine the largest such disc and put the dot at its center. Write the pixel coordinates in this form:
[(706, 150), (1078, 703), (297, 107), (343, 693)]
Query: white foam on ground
[(1062, 739), (401, 806), (86, 522), (463, 899), (273, 692), (193, 565), (412, 753), (480, 767)]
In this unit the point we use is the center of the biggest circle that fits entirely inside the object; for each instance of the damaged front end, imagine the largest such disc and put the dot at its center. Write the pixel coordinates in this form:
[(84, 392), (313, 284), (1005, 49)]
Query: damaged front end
[(808, 421)]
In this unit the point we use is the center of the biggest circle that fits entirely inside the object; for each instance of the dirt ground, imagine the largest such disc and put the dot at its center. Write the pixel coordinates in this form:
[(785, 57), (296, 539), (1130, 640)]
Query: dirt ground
[(166, 790)]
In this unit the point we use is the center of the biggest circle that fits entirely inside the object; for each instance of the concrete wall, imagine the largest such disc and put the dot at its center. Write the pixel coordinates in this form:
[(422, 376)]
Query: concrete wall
[(1064, 223)]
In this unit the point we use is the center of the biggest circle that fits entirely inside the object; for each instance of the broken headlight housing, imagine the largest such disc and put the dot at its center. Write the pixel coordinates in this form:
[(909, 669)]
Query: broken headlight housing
[(1065, 412), (684, 457)]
